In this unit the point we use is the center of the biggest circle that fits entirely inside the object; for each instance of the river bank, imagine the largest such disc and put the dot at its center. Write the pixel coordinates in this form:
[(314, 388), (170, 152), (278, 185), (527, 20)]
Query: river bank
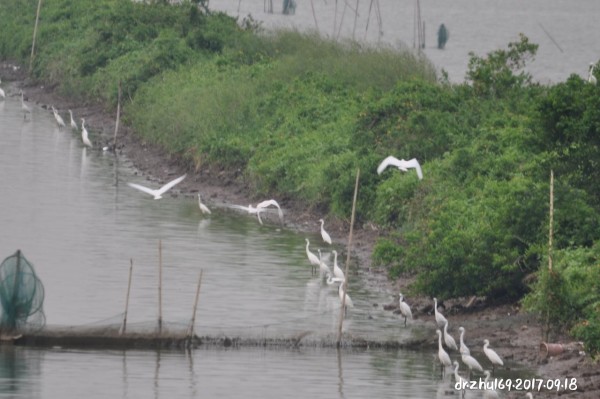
[(514, 335)]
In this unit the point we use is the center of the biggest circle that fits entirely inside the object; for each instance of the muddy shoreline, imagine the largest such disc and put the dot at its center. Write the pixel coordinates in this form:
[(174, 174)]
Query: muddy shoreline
[(514, 335)]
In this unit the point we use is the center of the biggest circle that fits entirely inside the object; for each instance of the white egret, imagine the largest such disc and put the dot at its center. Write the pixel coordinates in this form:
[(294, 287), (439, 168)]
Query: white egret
[(2, 94), (324, 234), (271, 202), (457, 378), (84, 134), (489, 393), (59, 119), (73, 123), (341, 293), (463, 348), (591, 78), (323, 268), (333, 280), (24, 107), (448, 339), (312, 258), (158, 193), (471, 362), (442, 354), (401, 164), (337, 271), (529, 395), (250, 209), (491, 354), (203, 208), (405, 309), (439, 318)]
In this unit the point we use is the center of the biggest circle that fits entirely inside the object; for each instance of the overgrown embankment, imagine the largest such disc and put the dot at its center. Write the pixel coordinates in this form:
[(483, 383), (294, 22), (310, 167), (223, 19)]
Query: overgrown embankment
[(297, 115)]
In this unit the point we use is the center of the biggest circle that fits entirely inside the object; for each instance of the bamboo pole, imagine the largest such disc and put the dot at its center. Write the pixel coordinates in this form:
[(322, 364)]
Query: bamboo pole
[(346, 274), (159, 287), (550, 232), (37, 18), (118, 117), (191, 328), (124, 325)]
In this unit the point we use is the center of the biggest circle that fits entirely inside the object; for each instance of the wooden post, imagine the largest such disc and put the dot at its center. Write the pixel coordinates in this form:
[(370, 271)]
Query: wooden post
[(118, 117), (159, 287), (355, 19), (124, 325), (191, 328), (312, 6), (550, 232), (37, 18), (346, 274)]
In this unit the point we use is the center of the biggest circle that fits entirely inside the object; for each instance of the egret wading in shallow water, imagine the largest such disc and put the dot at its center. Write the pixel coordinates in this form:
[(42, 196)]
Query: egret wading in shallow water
[(73, 123), (464, 349), (203, 208), (457, 378), (24, 107), (492, 355), (448, 339), (442, 354), (489, 393), (439, 318), (312, 258), (337, 271), (591, 78), (2, 93), (84, 134), (323, 268), (324, 234), (404, 309), (158, 193), (471, 363), (401, 164), (59, 120), (348, 302)]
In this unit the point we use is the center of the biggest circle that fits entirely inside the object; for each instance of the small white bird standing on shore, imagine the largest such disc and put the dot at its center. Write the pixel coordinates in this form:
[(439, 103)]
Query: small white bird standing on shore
[(404, 309), (491, 355), (400, 164), (59, 119), (203, 208), (158, 193), (84, 134), (324, 234), (73, 123)]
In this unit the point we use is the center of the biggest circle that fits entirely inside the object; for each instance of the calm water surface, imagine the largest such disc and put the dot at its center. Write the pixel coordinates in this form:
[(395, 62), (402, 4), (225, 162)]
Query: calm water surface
[(67, 208)]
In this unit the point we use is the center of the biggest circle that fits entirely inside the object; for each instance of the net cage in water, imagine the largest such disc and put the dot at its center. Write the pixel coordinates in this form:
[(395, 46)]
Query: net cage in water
[(21, 296)]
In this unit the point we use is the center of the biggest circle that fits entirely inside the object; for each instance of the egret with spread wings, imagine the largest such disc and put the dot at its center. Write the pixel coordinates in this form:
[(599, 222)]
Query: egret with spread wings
[(400, 164)]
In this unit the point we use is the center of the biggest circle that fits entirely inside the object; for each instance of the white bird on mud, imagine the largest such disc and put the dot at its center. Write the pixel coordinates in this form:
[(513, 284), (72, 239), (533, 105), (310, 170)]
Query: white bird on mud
[(323, 268), (439, 318), (73, 123), (24, 107), (265, 204), (442, 354), (404, 309), (448, 339), (337, 271), (2, 93), (324, 234), (471, 362), (401, 164), (489, 393), (158, 193), (591, 78), (84, 134), (463, 348), (203, 208), (457, 378), (59, 119), (491, 355), (312, 258)]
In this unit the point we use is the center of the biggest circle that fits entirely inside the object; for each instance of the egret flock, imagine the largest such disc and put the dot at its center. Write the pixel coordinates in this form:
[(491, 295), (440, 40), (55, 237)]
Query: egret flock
[(335, 275)]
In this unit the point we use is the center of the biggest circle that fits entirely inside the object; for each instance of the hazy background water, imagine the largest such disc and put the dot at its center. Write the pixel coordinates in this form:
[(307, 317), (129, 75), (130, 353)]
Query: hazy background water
[(564, 29)]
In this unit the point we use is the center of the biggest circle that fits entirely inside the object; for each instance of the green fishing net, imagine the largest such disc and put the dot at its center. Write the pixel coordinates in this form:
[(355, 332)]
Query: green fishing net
[(21, 295)]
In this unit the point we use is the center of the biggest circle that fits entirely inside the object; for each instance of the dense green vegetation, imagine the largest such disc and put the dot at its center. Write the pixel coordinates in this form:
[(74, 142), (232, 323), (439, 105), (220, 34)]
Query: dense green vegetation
[(298, 115)]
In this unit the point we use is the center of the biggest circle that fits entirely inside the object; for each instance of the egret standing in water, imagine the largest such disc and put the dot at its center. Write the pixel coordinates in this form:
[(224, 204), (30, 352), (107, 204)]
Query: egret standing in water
[(337, 271), (492, 355), (73, 123), (323, 268), (439, 318), (84, 134), (2, 94), (312, 258), (591, 78), (489, 393), (442, 354), (448, 339), (401, 164), (461, 381), (59, 119), (203, 208), (324, 234), (341, 292), (405, 309), (464, 349), (158, 193), (24, 107), (471, 363)]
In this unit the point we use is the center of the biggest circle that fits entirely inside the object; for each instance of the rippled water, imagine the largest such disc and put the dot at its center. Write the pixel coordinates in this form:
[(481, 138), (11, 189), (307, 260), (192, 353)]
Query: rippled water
[(564, 29)]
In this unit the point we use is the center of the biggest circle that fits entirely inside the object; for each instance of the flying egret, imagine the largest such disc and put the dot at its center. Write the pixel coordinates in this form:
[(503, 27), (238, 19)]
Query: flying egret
[(439, 318), (405, 309), (59, 119), (158, 193), (324, 234), (337, 271), (471, 362), (84, 134), (203, 207), (489, 393), (401, 164), (341, 293), (491, 354), (591, 78), (271, 202), (448, 339), (323, 268), (2, 94), (73, 123), (24, 107), (312, 258), (457, 378), (463, 348), (442, 354), (250, 209)]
